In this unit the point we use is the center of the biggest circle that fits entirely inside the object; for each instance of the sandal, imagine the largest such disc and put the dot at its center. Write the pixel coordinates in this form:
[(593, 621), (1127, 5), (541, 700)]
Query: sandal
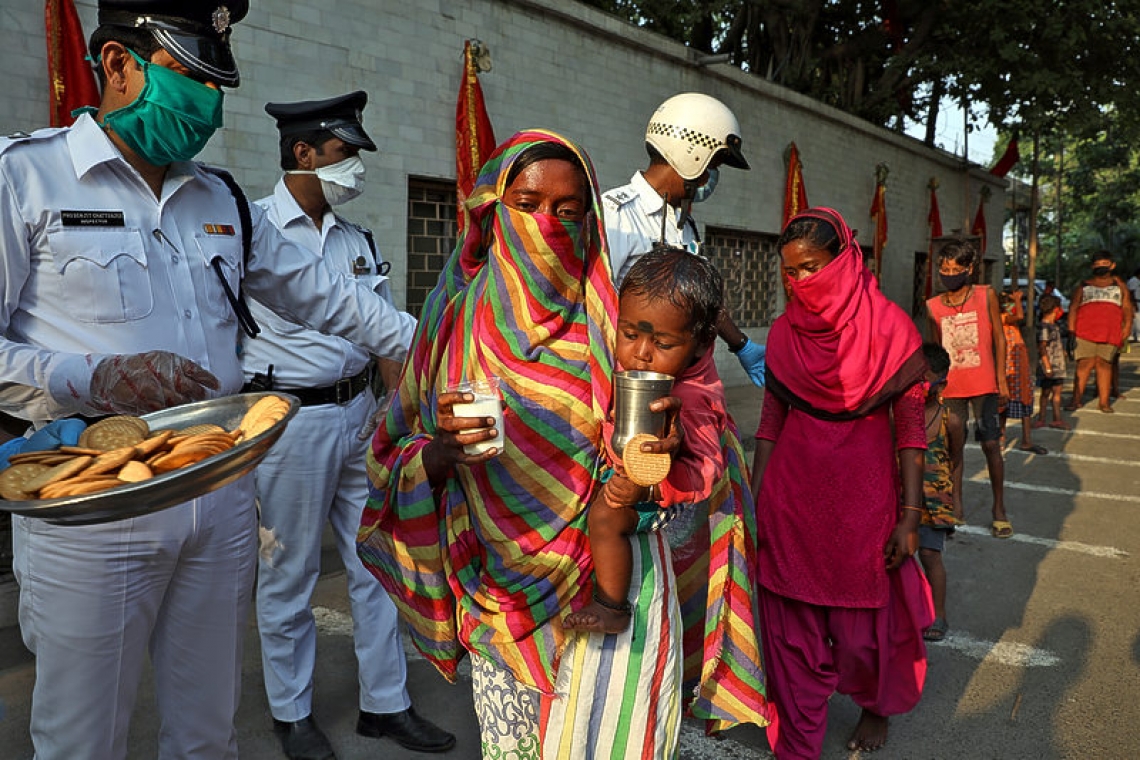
[(1034, 449), (1001, 529), (1038, 424), (1060, 425), (937, 630)]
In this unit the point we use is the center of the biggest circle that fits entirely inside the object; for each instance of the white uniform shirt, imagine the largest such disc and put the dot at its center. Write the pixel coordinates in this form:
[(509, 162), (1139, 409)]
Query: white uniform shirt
[(634, 215), (95, 265), (302, 357)]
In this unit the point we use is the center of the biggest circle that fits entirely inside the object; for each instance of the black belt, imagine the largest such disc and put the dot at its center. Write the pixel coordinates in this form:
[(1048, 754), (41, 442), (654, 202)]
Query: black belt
[(341, 392)]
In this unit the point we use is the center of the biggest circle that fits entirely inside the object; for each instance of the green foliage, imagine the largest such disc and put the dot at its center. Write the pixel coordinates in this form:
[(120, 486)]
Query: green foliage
[(1048, 64)]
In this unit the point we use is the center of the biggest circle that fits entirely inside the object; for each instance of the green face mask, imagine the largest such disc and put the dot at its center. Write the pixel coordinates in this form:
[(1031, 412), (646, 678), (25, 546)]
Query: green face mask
[(172, 118)]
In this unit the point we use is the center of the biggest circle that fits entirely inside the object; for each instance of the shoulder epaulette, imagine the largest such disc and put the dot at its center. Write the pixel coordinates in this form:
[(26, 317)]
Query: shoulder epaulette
[(619, 196), (25, 138)]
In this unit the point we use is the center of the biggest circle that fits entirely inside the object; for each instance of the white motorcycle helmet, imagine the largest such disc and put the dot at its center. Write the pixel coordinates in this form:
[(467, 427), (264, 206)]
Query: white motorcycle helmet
[(689, 129)]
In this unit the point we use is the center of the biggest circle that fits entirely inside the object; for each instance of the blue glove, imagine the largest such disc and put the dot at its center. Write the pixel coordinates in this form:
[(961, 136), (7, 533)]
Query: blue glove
[(11, 448), (751, 356), (56, 434)]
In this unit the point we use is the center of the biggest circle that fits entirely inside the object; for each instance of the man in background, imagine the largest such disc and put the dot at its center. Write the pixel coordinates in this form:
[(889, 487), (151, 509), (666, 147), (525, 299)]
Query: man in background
[(315, 474)]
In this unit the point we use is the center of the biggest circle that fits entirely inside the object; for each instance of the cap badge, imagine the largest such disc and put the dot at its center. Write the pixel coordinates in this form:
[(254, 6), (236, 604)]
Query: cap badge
[(221, 19)]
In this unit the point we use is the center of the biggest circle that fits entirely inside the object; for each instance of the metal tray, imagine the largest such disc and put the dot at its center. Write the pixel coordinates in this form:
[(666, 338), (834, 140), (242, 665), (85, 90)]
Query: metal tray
[(175, 487)]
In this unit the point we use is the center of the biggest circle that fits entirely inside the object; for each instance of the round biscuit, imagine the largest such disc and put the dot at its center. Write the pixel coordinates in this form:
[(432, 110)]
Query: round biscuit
[(13, 479), (645, 468), (112, 433)]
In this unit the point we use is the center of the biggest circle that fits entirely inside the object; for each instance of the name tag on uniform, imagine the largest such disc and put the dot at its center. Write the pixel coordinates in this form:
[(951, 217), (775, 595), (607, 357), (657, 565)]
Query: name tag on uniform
[(92, 218), (219, 229)]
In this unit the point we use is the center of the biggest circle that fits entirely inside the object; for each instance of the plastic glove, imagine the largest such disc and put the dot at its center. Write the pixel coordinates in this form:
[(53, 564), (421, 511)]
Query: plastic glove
[(9, 449), (56, 434), (141, 383), (751, 357), (373, 422)]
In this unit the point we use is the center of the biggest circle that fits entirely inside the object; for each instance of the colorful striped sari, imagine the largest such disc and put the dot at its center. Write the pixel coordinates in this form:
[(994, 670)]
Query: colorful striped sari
[(716, 576), (491, 561)]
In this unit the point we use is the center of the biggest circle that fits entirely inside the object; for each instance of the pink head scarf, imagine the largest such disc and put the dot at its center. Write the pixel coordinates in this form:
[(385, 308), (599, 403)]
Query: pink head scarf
[(841, 348)]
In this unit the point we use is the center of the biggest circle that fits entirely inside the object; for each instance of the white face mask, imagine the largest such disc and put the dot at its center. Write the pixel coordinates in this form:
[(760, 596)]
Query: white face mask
[(340, 182)]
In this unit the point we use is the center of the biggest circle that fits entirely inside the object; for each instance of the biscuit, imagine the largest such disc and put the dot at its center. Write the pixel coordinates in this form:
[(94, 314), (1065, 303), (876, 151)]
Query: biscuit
[(14, 479), (49, 456), (262, 416), (110, 460), (79, 450), (205, 427), (149, 446), (642, 467), (60, 472), (135, 471), (78, 487), (113, 433)]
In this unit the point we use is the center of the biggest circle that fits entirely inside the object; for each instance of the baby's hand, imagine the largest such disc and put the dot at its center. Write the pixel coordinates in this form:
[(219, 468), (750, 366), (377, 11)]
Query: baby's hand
[(619, 491)]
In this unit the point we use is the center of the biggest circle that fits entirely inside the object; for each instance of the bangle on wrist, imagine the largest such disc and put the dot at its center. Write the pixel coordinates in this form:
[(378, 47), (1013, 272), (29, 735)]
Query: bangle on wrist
[(916, 509), (738, 347)]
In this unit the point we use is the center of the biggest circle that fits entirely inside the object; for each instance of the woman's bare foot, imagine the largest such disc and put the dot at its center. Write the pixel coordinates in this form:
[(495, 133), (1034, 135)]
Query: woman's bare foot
[(870, 734), (597, 618)]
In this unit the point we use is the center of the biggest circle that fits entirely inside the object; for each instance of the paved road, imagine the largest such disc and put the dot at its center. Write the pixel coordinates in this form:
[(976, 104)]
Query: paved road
[(1043, 658)]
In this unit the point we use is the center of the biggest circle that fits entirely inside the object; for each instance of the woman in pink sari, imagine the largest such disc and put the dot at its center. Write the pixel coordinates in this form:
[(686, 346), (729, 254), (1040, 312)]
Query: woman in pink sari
[(842, 602)]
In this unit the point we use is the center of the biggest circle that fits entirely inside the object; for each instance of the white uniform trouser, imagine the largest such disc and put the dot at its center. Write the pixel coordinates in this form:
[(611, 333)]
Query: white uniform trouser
[(94, 599), (316, 473)]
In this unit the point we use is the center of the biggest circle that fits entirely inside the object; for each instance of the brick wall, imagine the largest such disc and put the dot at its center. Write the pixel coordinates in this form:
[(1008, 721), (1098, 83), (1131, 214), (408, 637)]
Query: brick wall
[(556, 64)]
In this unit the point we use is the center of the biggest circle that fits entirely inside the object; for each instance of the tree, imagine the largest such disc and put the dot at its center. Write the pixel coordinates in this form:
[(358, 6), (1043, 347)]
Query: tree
[(1039, 64)]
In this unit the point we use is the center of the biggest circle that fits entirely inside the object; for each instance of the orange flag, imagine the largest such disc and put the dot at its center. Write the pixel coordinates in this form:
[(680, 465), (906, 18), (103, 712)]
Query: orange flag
[(879, 216), (474, 137), (72, 82), (795, 195), (934, 218)]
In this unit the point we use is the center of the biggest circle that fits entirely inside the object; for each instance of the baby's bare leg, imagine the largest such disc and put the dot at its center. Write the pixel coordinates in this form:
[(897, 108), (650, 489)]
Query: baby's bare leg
[(609, 531)]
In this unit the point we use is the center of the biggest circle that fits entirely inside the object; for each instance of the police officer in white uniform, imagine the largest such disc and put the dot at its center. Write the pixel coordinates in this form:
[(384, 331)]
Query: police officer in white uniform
[(688, 138), (316, 474), (123, 264)]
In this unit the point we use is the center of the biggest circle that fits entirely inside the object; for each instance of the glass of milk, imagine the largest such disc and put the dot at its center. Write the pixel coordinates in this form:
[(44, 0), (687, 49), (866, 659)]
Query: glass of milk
[(488, 403)]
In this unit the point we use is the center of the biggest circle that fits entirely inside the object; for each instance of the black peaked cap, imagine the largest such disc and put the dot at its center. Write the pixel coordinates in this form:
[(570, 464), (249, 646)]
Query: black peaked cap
[(196, 33), (343, 116)]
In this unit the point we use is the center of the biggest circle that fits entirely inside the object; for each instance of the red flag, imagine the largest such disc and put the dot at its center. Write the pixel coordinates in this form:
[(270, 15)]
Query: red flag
[(979, 226), (1011, 156), (795, 195), (879, 215), (934, 218), (474, 137), (71, 80)]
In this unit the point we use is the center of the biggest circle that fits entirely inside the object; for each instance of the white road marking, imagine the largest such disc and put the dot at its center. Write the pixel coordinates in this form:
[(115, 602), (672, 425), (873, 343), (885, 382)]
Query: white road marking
[(983, 478), (694, 745), (1098, 413), (1099, 434), (998, 652), (1109, 552), (1064, 455)]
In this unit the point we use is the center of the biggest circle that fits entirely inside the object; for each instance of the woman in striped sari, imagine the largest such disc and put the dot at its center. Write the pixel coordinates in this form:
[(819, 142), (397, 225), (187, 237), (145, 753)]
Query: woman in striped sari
[(485, 553)]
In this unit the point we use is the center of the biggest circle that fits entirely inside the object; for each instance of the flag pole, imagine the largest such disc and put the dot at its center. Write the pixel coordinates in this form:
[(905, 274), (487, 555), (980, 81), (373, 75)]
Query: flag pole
[(1032, 274)]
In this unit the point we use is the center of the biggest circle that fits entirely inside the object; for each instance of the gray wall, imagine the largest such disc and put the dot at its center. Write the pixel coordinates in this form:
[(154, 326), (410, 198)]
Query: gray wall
[(558, 65)]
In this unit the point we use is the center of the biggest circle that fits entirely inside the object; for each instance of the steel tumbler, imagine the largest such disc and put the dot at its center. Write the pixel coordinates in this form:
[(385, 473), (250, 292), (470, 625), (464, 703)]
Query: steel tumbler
[(633, 392)]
